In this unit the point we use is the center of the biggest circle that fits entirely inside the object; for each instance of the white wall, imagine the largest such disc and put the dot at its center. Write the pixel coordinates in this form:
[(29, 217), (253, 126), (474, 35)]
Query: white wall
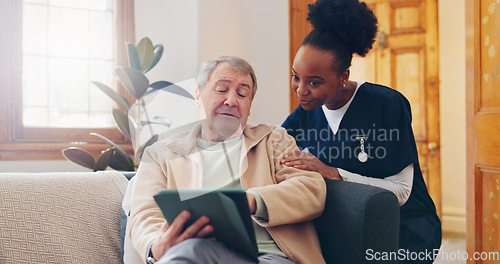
[(174, 24), (452, 115), (193, 31), (257, 31)]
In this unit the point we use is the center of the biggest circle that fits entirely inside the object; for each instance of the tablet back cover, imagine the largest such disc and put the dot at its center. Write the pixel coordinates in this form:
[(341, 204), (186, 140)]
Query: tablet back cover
[(227, 209)]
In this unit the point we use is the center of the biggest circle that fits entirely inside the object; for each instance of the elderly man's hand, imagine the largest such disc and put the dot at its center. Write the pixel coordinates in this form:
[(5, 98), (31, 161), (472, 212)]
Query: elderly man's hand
[(173, 235), (252, 204), (307, 161)]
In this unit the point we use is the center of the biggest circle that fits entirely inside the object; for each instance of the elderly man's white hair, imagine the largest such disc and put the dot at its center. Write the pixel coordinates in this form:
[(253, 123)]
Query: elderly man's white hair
[(239, 64)]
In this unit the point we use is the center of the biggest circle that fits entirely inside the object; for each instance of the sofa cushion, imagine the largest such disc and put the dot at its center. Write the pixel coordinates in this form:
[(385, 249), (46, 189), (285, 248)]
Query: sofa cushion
[(61, 217)]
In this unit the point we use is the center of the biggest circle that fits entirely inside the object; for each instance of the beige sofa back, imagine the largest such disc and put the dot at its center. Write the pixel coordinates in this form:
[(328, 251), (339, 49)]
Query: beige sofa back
[(60, 217)]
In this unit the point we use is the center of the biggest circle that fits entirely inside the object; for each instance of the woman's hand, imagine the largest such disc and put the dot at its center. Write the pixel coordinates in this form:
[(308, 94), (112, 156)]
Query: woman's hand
[(173, 235), (307, 161)]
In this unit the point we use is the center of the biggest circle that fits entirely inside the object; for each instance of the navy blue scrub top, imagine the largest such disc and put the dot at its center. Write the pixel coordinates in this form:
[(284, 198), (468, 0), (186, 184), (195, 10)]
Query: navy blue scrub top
[(382, 116)]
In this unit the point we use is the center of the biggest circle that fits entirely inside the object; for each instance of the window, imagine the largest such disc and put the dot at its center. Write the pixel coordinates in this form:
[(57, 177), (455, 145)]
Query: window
[(66, 44), (53, 50)]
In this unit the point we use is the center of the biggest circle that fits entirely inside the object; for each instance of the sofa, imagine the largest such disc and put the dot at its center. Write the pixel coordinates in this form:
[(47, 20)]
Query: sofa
[(76, 218)]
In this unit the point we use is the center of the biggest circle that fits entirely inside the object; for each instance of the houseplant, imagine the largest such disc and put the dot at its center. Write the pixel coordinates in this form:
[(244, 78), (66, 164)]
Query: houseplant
[(131, 120)]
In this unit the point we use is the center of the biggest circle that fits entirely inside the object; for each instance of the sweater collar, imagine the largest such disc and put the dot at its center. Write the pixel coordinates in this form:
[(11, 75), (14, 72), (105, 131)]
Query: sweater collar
[(184, 143)]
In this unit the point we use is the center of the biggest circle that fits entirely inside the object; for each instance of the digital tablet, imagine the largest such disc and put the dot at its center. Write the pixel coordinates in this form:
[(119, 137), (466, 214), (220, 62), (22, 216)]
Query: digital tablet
[(227, 210)]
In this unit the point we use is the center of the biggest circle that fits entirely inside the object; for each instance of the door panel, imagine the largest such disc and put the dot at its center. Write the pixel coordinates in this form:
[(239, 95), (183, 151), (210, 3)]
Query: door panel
[(408, 78), (407, 16), (483, 126), (363, 69), (490, 185), (489, 39)]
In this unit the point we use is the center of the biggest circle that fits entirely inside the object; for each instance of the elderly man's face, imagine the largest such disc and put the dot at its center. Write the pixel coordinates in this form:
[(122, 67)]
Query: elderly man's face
[(226, 101)]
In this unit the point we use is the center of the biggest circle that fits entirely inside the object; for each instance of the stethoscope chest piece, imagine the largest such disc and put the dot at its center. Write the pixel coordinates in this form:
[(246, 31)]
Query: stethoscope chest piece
[(362, 156)]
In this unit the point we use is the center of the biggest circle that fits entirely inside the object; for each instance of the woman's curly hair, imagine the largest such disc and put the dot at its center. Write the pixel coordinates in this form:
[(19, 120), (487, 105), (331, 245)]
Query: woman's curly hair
[(343, 27)]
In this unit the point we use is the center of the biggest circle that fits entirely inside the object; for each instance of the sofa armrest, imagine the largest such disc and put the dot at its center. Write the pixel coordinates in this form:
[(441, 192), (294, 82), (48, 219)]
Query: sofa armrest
[(357, 218)]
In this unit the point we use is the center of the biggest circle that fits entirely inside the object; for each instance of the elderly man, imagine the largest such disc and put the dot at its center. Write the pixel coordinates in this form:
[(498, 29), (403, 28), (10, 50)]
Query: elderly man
[(223, 151)]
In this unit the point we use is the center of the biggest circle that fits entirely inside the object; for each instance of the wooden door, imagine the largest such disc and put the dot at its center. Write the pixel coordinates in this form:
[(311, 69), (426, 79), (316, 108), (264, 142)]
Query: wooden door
[(483, 128), (405, 58)]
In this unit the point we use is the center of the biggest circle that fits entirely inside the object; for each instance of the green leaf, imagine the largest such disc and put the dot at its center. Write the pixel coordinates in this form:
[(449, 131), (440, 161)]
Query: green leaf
[(158, 121), (79, 156), (132, 125), (135, 81), (160, 84), (122, 75), (121, 120), (145, 50), (158, 51), (171, 88), (152, 140), (120, 162), (124, 158), (147, 97), (133, 57), (103, 160), (119, 99)]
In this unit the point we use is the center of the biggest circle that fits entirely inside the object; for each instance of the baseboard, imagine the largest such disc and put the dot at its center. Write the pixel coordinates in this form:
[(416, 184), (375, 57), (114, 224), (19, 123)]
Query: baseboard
[(454, 220)]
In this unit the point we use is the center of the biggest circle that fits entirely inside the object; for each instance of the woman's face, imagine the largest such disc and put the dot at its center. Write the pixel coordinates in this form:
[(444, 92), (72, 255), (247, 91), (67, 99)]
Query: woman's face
[(314, 80)]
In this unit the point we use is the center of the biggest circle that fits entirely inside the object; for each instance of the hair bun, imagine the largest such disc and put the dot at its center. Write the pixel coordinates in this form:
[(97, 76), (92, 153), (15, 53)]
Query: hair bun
[(350, 20)]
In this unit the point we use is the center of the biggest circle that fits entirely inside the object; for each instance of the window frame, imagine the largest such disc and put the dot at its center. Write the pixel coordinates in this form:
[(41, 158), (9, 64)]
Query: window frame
[(28, 143)]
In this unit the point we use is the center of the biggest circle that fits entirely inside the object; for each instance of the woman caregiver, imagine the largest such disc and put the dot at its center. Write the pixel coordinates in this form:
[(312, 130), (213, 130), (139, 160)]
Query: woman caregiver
[(353, 130)]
